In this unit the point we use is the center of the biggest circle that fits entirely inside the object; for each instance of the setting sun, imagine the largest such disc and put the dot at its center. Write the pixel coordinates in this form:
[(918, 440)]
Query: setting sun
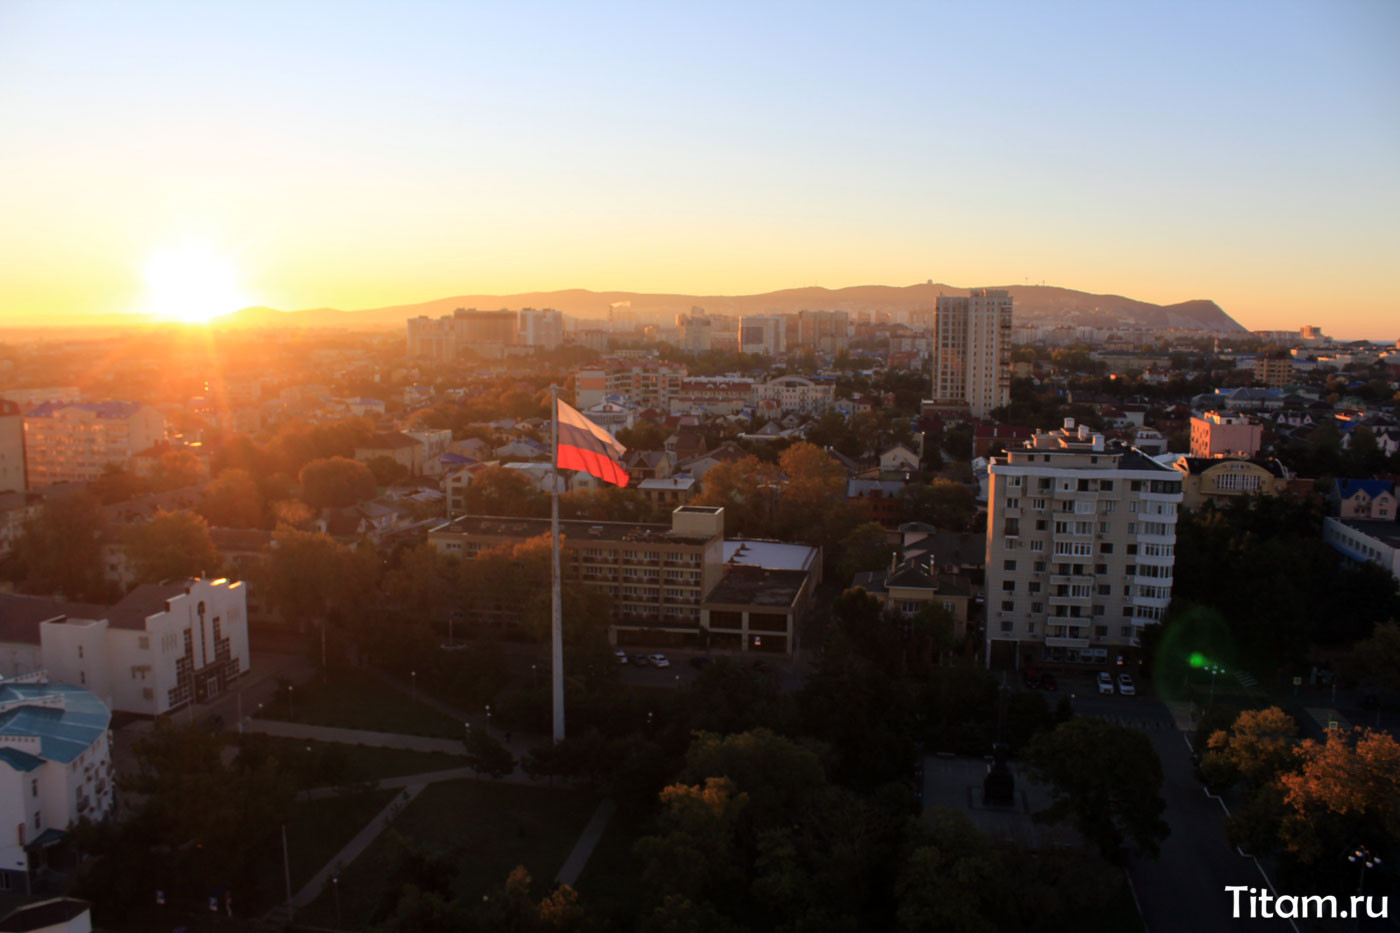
[(192, 285)]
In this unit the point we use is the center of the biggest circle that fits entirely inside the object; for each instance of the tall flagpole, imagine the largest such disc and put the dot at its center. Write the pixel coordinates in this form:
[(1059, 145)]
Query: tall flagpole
[(557, 632)]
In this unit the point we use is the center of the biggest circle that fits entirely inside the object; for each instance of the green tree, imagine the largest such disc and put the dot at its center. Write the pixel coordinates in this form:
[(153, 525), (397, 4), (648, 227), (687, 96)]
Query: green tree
[(867, 547), (60, 549), (233, 500), (946, 504), (387, 471), (1105, 779), (1257, 748), (502, 491), (171, 546), (335, 482)]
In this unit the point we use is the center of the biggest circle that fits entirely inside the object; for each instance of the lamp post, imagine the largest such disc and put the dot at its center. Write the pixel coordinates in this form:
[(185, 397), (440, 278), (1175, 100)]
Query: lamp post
[(413, 684), (335, 886), (1363, 857), (291, 705), (1214, 669)]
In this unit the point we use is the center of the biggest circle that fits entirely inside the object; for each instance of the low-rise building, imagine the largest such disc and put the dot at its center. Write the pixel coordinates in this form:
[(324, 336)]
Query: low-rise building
[(671, 491), (1372, 541), (55, 768), (160, 648), (1225, 434), (795, 394), (1223, 479), (1363, 499)]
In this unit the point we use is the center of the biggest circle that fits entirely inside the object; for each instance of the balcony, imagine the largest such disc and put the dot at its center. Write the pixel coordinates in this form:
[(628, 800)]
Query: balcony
[(1070, 600), (1063, 580)]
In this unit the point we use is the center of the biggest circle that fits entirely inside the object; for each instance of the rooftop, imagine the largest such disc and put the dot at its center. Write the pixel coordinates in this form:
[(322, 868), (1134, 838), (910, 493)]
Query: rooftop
[(65, 729), (755, 586), (1387, 532), (573, 529)]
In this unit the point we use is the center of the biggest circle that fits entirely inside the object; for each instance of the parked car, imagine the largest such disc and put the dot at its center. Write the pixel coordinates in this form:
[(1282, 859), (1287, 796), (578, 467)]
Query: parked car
[(1125, 685), (638, 659), (700, 662), (658, 660), (1047, 682), (621, 656), (1105, 683)]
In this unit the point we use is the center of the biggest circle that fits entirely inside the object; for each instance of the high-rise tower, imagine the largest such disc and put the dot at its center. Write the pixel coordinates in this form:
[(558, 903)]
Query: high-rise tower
[(972, 350)]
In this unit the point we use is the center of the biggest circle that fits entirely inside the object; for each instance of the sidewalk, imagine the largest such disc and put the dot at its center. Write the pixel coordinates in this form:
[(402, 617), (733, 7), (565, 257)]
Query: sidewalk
[(298, 730), (356, 847)]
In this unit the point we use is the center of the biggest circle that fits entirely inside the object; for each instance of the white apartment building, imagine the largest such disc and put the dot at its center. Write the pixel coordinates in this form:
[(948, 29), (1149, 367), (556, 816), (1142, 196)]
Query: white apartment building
[(795, 394), (972, 350), (55, 768), (74, 442), (159, 648), (1081, 540)]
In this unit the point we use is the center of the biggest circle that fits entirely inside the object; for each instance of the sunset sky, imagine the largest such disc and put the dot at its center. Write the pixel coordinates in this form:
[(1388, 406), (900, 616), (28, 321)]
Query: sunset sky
[(360, 155)]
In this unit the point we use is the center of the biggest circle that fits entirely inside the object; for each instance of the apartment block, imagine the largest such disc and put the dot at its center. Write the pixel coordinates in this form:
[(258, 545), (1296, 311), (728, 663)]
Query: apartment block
[(1225, 434), (1220, 480), (74, 442), (766, 335), (649, 383), (972, 350), (1274, 372), (795, 394), (824, 331), (484, 333), (1081, 540), (542, 328)]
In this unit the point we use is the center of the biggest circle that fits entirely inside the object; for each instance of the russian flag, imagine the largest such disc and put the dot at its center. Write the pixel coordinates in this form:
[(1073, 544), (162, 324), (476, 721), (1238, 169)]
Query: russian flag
[(585, 446)]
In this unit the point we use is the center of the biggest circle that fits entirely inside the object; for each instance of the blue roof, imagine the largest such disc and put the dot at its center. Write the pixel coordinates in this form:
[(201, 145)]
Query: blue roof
[(63, 734), (20, 761), (1347, 488), (100, 409)]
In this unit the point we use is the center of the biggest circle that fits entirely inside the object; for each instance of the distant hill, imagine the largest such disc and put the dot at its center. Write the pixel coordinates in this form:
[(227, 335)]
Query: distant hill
[(1039, 303)]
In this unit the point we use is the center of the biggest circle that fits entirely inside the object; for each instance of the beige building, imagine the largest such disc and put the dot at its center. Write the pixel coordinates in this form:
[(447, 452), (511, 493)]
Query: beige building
[(763, 334), (1274, 372), (74, 442), (795, 394), (1223, 479), (972, 350), (1225, 434), (649, 384), (825, 331), (1081, 540)]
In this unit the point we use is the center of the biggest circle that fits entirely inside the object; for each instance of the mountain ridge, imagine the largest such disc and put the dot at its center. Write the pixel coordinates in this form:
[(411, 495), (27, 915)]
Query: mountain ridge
[(1037, 303)]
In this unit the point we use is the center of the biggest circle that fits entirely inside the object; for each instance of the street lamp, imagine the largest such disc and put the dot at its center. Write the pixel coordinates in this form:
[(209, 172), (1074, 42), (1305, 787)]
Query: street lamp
[(291, 705), (1214, 669), (413, 684), (1363, 857), (335, 886)]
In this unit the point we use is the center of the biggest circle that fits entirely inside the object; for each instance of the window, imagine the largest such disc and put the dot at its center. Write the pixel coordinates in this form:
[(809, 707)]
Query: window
[(1013, 481), (1083, 485), (1110, 506), (1100, 631), (1037, 607), (1012, 527), (1106, 485), (1013, 503), (1125, 631), (1098, 611), (1103, 528), (80, 651), (34, 787), (1132, 549), (1008, 605), (1035, 587), (1041, 524), (1106, 547), (82, 678), (1008, 565), (1006, 626), (1037, 545), (144, 642), (1039, 566), (1008, 586), (1135, 485)]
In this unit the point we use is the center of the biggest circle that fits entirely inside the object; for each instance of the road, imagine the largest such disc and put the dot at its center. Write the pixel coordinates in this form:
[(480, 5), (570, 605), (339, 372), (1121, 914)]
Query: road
[(1184, 889)]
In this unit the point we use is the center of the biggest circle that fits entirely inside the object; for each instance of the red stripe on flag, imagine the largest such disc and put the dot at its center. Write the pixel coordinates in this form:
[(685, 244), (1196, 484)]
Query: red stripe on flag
[(592, 463)]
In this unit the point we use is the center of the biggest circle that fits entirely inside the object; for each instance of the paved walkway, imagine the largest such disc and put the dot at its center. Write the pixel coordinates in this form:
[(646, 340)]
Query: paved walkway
[(301, 730), (355, 847), (587, 842)]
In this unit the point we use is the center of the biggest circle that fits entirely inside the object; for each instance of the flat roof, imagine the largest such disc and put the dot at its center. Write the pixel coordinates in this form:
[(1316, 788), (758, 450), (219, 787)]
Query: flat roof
[(770, 555), (1389, 532), (573, 529), (754, 586)]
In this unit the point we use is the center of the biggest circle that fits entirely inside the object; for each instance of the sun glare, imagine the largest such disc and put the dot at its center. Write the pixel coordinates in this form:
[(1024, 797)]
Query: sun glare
[(191, 285)]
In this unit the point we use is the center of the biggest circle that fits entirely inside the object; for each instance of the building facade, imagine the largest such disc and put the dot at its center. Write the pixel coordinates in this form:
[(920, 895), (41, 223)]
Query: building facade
[(649, 384), (540, 327), (75, 442), (795, 394), (1375, 542), (158, 649), (55, 768), (1081, 540), (823, 331), (1220, 480), (1225, 434), (763, 334), (972, 350)]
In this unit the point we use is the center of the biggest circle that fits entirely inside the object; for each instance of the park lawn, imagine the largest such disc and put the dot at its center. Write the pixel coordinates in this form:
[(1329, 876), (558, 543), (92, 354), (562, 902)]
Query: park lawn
[(355, 699), (365, 763), (490, 827), (317, 830), (612, 877)]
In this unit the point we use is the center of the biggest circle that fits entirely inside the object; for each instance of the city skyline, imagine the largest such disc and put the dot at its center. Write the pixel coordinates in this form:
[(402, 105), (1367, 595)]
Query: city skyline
[(349, 157)]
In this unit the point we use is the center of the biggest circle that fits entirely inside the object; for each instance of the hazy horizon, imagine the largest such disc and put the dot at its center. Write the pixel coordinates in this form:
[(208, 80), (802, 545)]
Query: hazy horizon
[(193, 160)]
